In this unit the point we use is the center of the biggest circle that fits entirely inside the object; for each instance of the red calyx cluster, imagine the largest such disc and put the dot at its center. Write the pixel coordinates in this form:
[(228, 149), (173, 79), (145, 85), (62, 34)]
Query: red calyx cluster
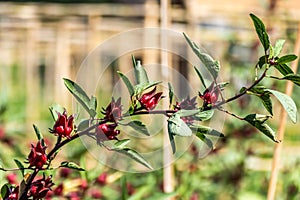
[(186, 104), (210, 95), (113, 112), (150, 100), (64, 125), (40, 188), (37, 156), (109, 131)]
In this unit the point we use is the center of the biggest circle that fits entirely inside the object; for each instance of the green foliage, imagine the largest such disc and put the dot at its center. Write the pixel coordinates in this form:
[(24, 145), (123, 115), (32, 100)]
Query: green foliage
[(71, 165), (127, 83), (261, 32), (139, 126)]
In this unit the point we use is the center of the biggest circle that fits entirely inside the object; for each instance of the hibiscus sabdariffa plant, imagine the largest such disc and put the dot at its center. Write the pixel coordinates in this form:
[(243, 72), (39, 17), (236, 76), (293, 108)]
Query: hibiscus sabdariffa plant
[(183, 116)]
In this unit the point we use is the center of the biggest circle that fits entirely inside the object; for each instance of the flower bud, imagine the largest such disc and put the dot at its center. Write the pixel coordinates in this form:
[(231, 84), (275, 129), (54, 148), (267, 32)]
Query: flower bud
[(113, 112), (37, 157), (210, 95), (63, 125), (150, 100)]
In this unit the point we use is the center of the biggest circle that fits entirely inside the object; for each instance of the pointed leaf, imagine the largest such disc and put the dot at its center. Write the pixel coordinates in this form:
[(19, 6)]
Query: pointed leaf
[(278, 47), (212, 66), (178, 127), (5, 190), (20, 166), (293, 77), (286, 59), (134, 155), (261, 32), (54, 109), (79, 95), (121, 144), (71, 165), (200, 77), (127, 83), (259, 122), (287, 103), (200, 129), (171, 138), (262, 61), (186, 113), (139, 126), (206, 140), (93, 105), (139, 88), (39, 135), (284, 69), (84, 124), (171, 93), (140, 73)]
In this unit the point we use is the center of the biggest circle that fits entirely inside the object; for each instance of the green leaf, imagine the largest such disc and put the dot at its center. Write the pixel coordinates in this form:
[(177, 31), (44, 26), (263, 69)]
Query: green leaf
[(139, 71), (200, 129), (162, 196), (204, 115), (258, 121), (286, 59), (278, 47), (134, 155), (93, 104), (262, 61), (121, 144), (54, 108), (186, 113), (127, 83), (261, 32), (5, 190), (293, 77), (171, 93), (39, 135), (172, 140), (178, 127), (206, 140), (20, 166), (80, 96), (84, 124), (139, 126), (284, 69), (200, 77), (138, 89), (71, 165), (212, 66), (287, 103), (264, 95)]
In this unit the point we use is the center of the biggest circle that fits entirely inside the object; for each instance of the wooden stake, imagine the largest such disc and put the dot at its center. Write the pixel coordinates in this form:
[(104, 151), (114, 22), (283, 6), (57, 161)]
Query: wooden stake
[(281, 129)]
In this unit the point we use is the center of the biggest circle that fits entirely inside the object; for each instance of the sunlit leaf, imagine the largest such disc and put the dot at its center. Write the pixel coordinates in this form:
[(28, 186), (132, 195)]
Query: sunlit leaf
[(139, 71), (264, 96), (295, 78), (200, 129), (71, 165), (177, 126), (127, 83), (284, 69), (278, 47), (261, 32), (204, 115), (258, 121), (211, 65), (286, 59), (121, 144), (206, 140), (39, 135), (288, 104)]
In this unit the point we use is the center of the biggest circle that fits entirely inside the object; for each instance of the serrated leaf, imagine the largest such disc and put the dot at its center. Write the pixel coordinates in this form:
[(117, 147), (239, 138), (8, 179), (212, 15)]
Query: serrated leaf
[(211, 65), (177, 126), (288, 104), (295, 78), (171, 93), (284, 69), (204, 115), (139, 71), (20, 166), (139, 126), (121, 144), (200, 77), (264, 96), (261, 31), (80, 95), (134, 155), (257, 121), (71, 165), (54, 109), (286, 59), (39, 135), (278, 47), (127, 83)]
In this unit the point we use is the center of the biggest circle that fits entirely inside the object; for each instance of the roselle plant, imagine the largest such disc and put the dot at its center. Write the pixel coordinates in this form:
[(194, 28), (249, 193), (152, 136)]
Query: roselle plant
[(184, 117)]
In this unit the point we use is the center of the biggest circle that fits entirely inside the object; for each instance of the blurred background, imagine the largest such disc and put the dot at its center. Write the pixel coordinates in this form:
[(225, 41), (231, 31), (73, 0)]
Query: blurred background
[(43, 41)]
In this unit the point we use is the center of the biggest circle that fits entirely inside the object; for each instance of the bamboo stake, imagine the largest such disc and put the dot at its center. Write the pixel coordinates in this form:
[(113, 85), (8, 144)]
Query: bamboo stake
[(168, 175), (281, 129)]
